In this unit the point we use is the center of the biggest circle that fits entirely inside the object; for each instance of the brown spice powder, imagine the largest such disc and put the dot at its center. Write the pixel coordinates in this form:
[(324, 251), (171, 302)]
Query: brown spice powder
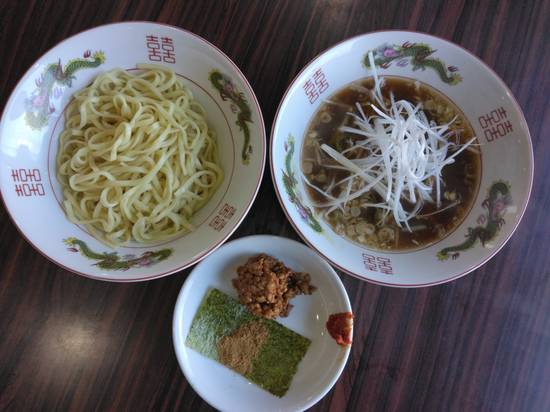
[(238, 349)]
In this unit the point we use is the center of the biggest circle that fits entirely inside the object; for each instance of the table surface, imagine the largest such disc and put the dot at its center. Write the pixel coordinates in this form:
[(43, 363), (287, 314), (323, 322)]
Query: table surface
[(481, 342)]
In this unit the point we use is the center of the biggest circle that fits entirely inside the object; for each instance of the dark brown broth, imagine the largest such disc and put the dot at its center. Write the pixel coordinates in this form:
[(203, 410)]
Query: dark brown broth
[(461, 178)]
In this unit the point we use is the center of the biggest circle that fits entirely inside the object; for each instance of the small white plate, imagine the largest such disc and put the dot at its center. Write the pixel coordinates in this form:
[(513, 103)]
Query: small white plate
[(324, 361)]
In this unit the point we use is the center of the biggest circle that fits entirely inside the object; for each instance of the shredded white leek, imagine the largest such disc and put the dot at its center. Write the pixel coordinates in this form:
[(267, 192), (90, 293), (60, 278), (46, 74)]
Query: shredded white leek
[(405, 156)]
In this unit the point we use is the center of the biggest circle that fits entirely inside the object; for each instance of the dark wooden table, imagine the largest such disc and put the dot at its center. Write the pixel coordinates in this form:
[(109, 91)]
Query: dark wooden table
[(480, 343)]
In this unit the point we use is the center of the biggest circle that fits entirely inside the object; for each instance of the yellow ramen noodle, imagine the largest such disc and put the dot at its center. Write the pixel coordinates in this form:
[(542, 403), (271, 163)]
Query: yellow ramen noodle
[(136, 158)]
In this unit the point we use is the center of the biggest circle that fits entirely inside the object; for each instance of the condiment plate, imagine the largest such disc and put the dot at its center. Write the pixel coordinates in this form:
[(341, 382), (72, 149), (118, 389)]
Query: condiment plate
[(324, 360)]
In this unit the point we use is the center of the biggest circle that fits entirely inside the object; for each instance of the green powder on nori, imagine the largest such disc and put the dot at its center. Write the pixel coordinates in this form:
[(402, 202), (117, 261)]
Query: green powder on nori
[(277, 360)]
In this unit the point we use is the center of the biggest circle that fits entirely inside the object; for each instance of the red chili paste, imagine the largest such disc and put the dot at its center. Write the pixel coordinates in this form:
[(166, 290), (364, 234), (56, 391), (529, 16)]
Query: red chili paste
[(340, 327)]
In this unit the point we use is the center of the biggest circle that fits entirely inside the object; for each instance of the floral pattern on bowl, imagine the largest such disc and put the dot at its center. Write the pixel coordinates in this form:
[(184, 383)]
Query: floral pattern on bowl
[(50, 83), (228, 91), (495, 204), (294, 195), (420, 56), (112, 260)]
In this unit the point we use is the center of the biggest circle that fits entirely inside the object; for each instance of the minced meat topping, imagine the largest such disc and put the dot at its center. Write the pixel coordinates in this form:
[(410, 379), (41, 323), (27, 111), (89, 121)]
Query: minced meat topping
[(265, 285)]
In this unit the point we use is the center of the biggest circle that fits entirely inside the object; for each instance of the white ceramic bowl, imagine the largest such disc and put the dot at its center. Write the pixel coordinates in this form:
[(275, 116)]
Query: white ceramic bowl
[(324, 361), (507, 155), (33, 119)]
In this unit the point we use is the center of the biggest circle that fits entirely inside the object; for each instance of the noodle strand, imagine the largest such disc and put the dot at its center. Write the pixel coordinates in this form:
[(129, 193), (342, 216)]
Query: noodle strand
[(136, 159)]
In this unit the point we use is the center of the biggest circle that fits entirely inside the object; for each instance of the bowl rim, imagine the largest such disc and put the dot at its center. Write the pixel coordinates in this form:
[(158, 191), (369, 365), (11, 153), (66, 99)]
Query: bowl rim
[(491, 72), (177, 317), (216, 244)]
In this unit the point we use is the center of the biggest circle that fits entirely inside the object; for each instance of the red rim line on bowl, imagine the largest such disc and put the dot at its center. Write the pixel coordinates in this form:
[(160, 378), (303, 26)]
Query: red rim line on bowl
[(356, 275), (238, 221)]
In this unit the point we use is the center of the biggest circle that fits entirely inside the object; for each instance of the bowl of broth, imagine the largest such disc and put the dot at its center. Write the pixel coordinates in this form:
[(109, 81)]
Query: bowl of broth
[(401, 158)]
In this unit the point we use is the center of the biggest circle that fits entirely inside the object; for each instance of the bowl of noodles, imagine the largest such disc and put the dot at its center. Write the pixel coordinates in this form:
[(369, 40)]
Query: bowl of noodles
[(401, 158), (130, 151)]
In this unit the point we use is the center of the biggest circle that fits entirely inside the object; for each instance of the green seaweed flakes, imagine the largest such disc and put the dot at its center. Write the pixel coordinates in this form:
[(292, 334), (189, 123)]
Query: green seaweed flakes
[(277, 360)]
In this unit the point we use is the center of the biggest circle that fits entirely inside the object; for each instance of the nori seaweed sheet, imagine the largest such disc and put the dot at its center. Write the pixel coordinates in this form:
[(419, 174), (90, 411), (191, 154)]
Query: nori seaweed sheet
[(278, 359)]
